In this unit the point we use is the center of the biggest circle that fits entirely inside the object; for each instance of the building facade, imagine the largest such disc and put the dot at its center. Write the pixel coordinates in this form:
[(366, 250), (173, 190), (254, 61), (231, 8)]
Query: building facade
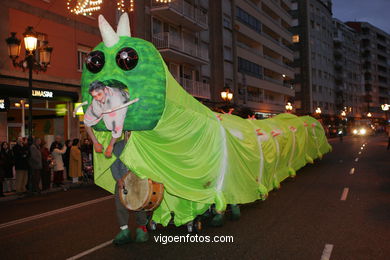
[(263, 54), (313, 56), (58, 88), (375, 55), (348, 71)]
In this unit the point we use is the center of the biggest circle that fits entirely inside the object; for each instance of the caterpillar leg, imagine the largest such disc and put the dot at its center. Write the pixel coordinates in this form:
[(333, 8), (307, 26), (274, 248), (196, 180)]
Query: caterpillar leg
[(236, 213), (218, 220)]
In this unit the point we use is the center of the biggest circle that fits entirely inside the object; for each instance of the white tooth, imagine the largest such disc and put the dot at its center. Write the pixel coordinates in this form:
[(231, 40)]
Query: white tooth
[(123, 28), (110, 38)]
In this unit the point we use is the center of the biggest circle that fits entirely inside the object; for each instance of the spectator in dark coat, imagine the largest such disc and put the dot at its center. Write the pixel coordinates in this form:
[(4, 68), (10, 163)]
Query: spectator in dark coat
[(66, 156), (20, 151), (6, 155), (35, 163)]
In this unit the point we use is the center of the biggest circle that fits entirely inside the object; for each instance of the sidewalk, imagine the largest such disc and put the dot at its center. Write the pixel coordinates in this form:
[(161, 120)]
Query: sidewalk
[(67, 185)]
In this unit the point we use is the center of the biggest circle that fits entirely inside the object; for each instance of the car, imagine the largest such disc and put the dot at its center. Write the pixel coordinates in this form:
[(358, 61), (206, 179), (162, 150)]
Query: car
[(362, 130)]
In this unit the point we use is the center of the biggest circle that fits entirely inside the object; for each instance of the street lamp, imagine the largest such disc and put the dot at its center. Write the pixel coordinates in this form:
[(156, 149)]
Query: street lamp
[(30, 43), (227, 95), (318, 111), (343, 113), (369, 114), (289, 107), (385, 108)]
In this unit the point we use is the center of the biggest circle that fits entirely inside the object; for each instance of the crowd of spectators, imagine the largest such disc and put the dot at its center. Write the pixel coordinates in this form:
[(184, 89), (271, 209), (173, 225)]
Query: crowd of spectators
[(30, 166)]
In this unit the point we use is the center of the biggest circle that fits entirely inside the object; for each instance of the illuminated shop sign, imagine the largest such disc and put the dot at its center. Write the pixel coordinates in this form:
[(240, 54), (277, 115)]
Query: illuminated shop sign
[(42, 93), (4, 104)]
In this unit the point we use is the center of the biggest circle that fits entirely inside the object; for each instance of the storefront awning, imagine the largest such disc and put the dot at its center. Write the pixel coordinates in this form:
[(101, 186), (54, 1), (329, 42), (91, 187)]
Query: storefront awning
[(38, 93)]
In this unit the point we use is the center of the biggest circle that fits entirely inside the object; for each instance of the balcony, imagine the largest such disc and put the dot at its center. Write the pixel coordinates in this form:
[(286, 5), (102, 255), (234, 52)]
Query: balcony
[(181, 12), (175, 48), (196, 88)]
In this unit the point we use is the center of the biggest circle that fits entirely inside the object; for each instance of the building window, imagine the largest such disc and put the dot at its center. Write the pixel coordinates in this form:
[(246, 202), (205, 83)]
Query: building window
[(248, 20), (227, 23), (250, 68), (82, 52), (295, 38)]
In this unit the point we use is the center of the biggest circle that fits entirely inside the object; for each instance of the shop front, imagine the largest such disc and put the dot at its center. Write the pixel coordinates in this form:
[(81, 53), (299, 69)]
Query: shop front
[(51, 113)]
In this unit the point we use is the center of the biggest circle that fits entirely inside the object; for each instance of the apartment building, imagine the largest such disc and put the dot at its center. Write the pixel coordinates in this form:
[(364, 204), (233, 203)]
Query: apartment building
[(179, 30), (375, 54), (263, 54), (313, 56), (348, 71)]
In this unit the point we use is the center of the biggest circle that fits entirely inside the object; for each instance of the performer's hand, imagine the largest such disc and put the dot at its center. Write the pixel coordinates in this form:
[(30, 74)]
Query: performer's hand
[(98, 148), (120, 184), (108, 152)]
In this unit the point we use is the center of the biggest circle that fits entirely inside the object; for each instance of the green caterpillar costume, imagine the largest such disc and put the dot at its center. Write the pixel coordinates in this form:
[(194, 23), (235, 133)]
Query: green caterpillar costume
[(202, 158)]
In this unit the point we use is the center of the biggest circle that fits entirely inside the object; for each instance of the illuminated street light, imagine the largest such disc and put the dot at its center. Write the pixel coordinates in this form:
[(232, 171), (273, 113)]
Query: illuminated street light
[(369, 114), (227, 95), (289, 107), (318, 111), (343, 113), (30, 42)]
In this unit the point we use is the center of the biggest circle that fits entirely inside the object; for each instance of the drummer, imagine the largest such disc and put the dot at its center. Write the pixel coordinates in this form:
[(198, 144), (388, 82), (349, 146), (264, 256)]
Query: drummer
[(118, 169)]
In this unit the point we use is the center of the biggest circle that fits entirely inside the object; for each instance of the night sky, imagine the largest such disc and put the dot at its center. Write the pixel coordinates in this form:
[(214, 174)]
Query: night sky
[(376, 12)]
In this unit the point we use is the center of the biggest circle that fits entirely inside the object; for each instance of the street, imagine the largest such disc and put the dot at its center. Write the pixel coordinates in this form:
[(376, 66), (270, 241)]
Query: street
[(337, 208)]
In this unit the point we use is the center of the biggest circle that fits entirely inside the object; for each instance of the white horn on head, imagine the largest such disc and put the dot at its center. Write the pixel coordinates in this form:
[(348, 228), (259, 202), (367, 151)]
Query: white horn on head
[(110, 38), (123, 28)]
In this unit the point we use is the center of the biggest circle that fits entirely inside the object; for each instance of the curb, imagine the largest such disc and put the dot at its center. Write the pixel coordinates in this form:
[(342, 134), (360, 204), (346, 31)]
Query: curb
[(65, 187)]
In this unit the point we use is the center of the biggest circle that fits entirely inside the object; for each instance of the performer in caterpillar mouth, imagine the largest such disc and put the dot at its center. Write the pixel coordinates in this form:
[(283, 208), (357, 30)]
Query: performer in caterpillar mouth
[(109, 104)]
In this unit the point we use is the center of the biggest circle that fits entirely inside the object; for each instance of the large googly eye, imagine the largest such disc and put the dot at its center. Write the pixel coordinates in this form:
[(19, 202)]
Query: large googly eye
[(95, 61), (127, 58)]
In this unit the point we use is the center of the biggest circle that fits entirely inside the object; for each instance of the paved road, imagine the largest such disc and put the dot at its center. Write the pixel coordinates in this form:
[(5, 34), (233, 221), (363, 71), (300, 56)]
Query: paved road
[(305, 219)]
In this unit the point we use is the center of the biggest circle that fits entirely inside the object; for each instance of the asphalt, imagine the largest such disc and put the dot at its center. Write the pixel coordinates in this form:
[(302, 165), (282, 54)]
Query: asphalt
[(295, 222)]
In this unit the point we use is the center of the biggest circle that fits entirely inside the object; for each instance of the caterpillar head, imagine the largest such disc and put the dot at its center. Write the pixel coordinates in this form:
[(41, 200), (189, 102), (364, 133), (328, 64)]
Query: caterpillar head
[(131, 64)]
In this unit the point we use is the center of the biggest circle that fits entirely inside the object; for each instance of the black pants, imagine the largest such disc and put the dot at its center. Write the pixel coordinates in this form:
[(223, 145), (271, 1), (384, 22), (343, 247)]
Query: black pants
[(122, 212)]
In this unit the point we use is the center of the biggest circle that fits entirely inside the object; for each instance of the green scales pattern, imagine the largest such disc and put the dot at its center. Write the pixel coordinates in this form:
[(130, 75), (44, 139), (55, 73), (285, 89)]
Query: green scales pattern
[(200, 158)]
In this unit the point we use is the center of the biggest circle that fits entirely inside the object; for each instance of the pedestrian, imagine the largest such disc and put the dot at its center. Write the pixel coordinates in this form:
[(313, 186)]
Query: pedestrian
[(65, 158), (20, 151), (87, 159), (46, 166), (6, 155), (57, 143), (58, 170), (35, 163), (75, 161), (388, 138)]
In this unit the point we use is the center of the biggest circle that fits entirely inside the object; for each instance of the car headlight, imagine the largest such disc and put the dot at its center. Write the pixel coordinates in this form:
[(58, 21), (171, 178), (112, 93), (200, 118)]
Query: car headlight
[(362, 131), (355, 132)]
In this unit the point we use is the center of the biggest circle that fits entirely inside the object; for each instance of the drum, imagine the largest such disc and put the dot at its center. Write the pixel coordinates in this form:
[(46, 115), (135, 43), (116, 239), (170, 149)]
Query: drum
[(140, 194)]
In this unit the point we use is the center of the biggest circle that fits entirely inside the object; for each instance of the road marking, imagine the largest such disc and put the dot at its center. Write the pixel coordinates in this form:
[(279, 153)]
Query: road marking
[(352, 171), (90, 250), (356, 159), (327, 252), (345, 194), (53, 212)]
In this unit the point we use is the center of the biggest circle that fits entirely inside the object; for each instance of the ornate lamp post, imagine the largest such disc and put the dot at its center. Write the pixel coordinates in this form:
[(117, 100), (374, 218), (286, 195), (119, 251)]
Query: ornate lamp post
[(227, 95), (318, 111), (385, 108), (289, 107), (30, 43)]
